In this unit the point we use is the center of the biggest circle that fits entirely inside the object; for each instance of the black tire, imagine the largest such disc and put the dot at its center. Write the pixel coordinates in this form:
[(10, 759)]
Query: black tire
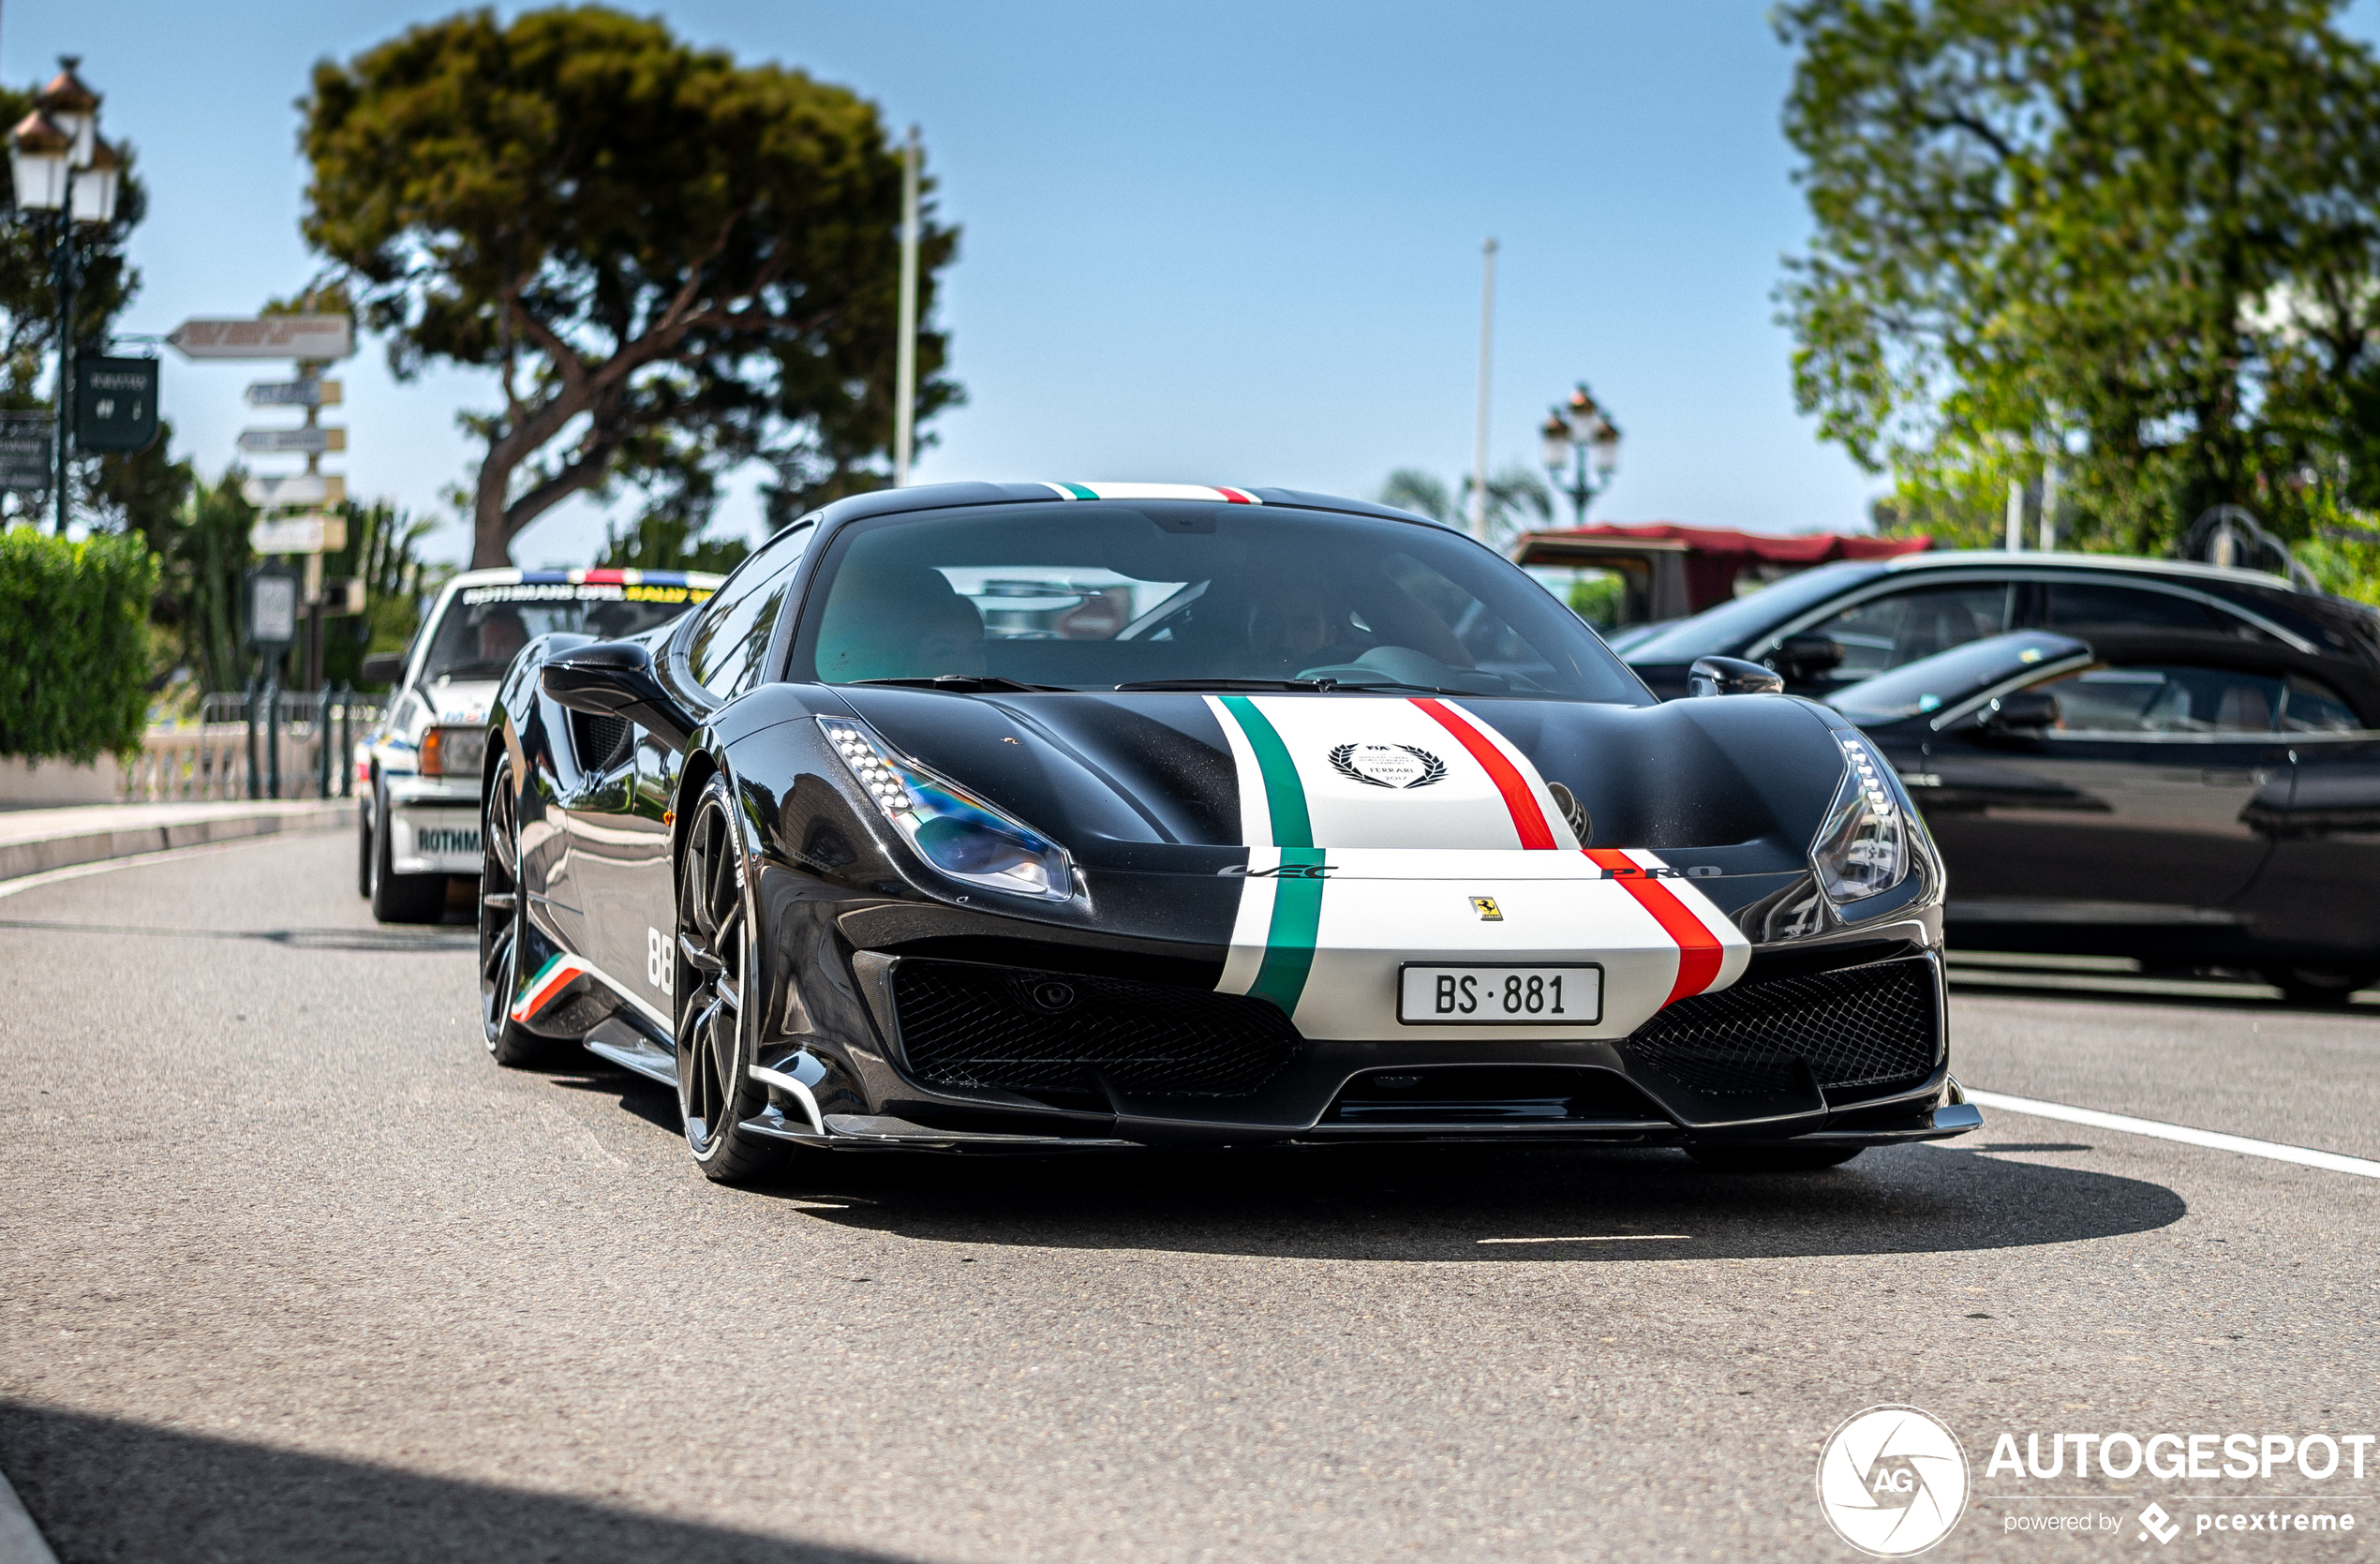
[(503, 922), (715, 1012), (363, 848), (1772, 1159), (400, 897), (2326, 988)]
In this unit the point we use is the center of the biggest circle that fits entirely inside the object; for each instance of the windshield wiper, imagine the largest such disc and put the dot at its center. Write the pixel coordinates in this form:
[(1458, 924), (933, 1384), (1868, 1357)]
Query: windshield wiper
[(967, 682), (1231, 684)]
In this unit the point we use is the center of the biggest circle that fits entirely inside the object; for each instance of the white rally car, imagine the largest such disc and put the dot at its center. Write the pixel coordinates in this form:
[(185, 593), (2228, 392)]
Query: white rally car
[(419, 771)]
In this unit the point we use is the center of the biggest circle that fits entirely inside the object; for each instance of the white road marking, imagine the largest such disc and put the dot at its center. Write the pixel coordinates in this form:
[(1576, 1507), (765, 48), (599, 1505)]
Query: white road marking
[(2304, 1157), (1599, 1238)]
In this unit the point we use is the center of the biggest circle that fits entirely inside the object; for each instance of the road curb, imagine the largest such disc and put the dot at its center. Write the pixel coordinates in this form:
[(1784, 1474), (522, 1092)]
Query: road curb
[(20, 859), (21, 1540)]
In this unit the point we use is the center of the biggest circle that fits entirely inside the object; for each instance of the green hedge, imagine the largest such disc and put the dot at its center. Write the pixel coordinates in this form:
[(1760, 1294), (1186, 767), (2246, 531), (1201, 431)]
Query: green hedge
[(74, 645)]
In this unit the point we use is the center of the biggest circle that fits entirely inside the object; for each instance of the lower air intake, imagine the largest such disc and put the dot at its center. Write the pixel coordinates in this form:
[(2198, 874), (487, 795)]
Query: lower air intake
[(1862, 1030), (969, 1025)]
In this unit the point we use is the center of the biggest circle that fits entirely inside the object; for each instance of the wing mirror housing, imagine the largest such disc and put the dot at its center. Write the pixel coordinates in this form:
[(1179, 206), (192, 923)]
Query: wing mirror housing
[(383, 667), (2026, 711), (1807, 659), (615, 678), (1732, 676)]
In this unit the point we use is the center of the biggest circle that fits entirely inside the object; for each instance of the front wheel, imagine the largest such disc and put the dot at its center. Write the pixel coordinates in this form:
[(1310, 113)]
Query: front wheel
[(716, 1010), (399, 898), (1772, 1159), (503, 922)]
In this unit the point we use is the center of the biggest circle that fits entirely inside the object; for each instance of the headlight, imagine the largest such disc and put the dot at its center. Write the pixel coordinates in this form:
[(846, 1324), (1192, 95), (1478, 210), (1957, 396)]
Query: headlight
[(453, 751), (1863, 846), (952, 829)]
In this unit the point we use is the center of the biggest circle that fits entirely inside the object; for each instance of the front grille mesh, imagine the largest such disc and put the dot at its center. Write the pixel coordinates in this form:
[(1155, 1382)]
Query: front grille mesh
[(966, 1026), (1866, 1027)]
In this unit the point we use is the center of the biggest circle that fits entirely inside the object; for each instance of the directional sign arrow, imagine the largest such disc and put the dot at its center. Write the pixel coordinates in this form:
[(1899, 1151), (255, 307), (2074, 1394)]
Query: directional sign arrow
[(311, 440), (299, 336), (295, 394), (299, 535), (298, 488)]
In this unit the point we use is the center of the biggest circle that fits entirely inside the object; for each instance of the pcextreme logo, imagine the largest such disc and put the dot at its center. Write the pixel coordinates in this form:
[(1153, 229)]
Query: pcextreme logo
[(1892, 1481)]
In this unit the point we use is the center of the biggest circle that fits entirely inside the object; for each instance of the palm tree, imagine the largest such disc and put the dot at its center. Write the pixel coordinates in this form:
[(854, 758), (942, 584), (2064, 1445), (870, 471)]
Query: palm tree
[(1514, 495)]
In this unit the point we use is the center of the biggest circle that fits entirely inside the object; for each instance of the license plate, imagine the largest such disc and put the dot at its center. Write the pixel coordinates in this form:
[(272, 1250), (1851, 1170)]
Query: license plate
[(1564, 995), (438, 839)]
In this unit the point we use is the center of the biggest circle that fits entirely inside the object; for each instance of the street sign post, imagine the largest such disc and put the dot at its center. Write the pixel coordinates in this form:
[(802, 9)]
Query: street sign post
[(316, 534), (292, 336), (296, 394), (28, 447), (115, 404), (297, 488), (306, 440)]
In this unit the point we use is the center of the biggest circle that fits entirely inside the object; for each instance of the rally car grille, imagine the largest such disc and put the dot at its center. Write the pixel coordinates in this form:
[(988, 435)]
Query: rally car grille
[(1860, 1030), (968, 1025)]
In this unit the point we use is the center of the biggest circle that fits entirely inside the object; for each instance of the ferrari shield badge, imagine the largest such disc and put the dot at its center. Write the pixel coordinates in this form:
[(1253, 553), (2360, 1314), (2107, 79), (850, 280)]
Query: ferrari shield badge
[(1398, 766)]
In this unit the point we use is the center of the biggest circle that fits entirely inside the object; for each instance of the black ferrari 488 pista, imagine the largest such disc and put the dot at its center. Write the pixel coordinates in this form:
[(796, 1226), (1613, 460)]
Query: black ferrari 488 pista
[(1043, 817)]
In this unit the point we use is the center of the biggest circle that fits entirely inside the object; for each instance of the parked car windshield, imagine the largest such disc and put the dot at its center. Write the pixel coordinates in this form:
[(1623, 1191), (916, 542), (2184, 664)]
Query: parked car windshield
[(1729, 625), (484, 626), (1931, 683), (1093, 595)]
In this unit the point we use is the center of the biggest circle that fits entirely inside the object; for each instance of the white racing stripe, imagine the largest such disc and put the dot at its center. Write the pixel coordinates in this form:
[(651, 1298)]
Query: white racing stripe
[(2304, 1157)]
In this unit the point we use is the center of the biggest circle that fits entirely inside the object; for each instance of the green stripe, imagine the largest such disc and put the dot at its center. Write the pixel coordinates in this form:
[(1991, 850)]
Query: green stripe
[(1078, 491), (1297, 904), (1284, 794)]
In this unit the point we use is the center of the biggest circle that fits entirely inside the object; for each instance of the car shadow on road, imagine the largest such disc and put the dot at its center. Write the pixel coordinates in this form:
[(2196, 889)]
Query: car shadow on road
[(296, 939), (1482, 1204), (102, 1488)]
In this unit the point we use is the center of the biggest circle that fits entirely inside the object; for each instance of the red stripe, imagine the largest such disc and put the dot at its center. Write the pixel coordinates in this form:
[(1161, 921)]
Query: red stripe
[(1234, 496), (561, 979), (1699, 952), (1527, 818)]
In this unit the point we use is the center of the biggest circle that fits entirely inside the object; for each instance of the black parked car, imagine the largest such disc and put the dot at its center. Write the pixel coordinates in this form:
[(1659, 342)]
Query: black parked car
[(2195, 797), (1025, 816), (1828, 628)]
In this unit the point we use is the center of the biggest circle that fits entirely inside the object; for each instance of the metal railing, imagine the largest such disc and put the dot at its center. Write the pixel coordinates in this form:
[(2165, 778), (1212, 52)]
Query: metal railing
[(256, 743)]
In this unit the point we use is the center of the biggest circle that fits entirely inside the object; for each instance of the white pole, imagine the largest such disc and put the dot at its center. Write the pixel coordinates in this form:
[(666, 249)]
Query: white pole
[(1480, 429), (906, 371), (2049, 507), (2015, 515)]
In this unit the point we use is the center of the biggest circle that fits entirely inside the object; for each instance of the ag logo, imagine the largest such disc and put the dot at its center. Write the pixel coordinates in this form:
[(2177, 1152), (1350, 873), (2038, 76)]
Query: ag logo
[(1891, 1481), (1387, 765)]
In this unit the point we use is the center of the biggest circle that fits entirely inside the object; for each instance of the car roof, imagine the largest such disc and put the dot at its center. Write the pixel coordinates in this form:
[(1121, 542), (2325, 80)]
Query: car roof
[(508, 576), (1954, 559), (930, 496)]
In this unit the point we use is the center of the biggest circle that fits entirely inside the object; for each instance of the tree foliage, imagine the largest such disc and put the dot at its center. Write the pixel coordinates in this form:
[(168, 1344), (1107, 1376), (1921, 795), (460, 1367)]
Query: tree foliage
[(74, 645), (2136, 238), (674, 264), (1517, 499)]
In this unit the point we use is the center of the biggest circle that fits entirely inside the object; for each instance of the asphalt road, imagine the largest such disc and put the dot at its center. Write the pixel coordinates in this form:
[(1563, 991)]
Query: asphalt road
[(289, 1269)]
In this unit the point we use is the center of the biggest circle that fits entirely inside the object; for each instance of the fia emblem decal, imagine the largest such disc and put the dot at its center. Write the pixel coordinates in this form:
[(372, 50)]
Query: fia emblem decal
[(1398, 766), (1487, 909)]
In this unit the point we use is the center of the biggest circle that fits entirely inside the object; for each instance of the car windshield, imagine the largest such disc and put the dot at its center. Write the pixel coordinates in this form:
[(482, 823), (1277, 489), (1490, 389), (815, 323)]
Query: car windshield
[(484, 626), (1930, 683), (1731, 624), (1095, 595)]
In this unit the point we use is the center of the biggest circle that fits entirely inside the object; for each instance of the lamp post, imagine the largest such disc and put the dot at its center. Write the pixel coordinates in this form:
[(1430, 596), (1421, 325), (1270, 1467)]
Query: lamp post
[(60, 165), (1581, 440)]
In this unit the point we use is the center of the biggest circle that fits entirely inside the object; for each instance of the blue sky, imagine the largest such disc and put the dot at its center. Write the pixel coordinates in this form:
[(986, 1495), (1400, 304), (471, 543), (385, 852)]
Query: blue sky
[(1232, 242)]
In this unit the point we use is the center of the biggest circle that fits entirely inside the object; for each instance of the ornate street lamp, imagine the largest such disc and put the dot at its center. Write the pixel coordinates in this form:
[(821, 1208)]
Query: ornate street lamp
[(1580, 440), (59, 165)]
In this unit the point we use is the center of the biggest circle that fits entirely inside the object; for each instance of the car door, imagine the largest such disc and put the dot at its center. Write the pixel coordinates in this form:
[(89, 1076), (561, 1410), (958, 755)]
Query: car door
[(2321, 890), (1897, 628), (602, 840), (2140, 807)]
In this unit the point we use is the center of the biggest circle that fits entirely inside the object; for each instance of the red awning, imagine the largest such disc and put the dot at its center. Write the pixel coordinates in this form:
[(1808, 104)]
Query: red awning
[(1803, 548), (1704, 560)]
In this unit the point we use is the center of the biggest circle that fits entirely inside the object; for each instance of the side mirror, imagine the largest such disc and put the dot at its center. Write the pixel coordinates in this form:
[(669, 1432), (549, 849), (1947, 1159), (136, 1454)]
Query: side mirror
[(1807, 659), (615, 678), (1732, 676), (2022, 711), (383, 667)]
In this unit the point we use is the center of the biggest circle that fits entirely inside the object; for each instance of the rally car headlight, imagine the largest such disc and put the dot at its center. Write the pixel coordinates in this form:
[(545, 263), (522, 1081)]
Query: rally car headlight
[(952, 829), (1862, 849)]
